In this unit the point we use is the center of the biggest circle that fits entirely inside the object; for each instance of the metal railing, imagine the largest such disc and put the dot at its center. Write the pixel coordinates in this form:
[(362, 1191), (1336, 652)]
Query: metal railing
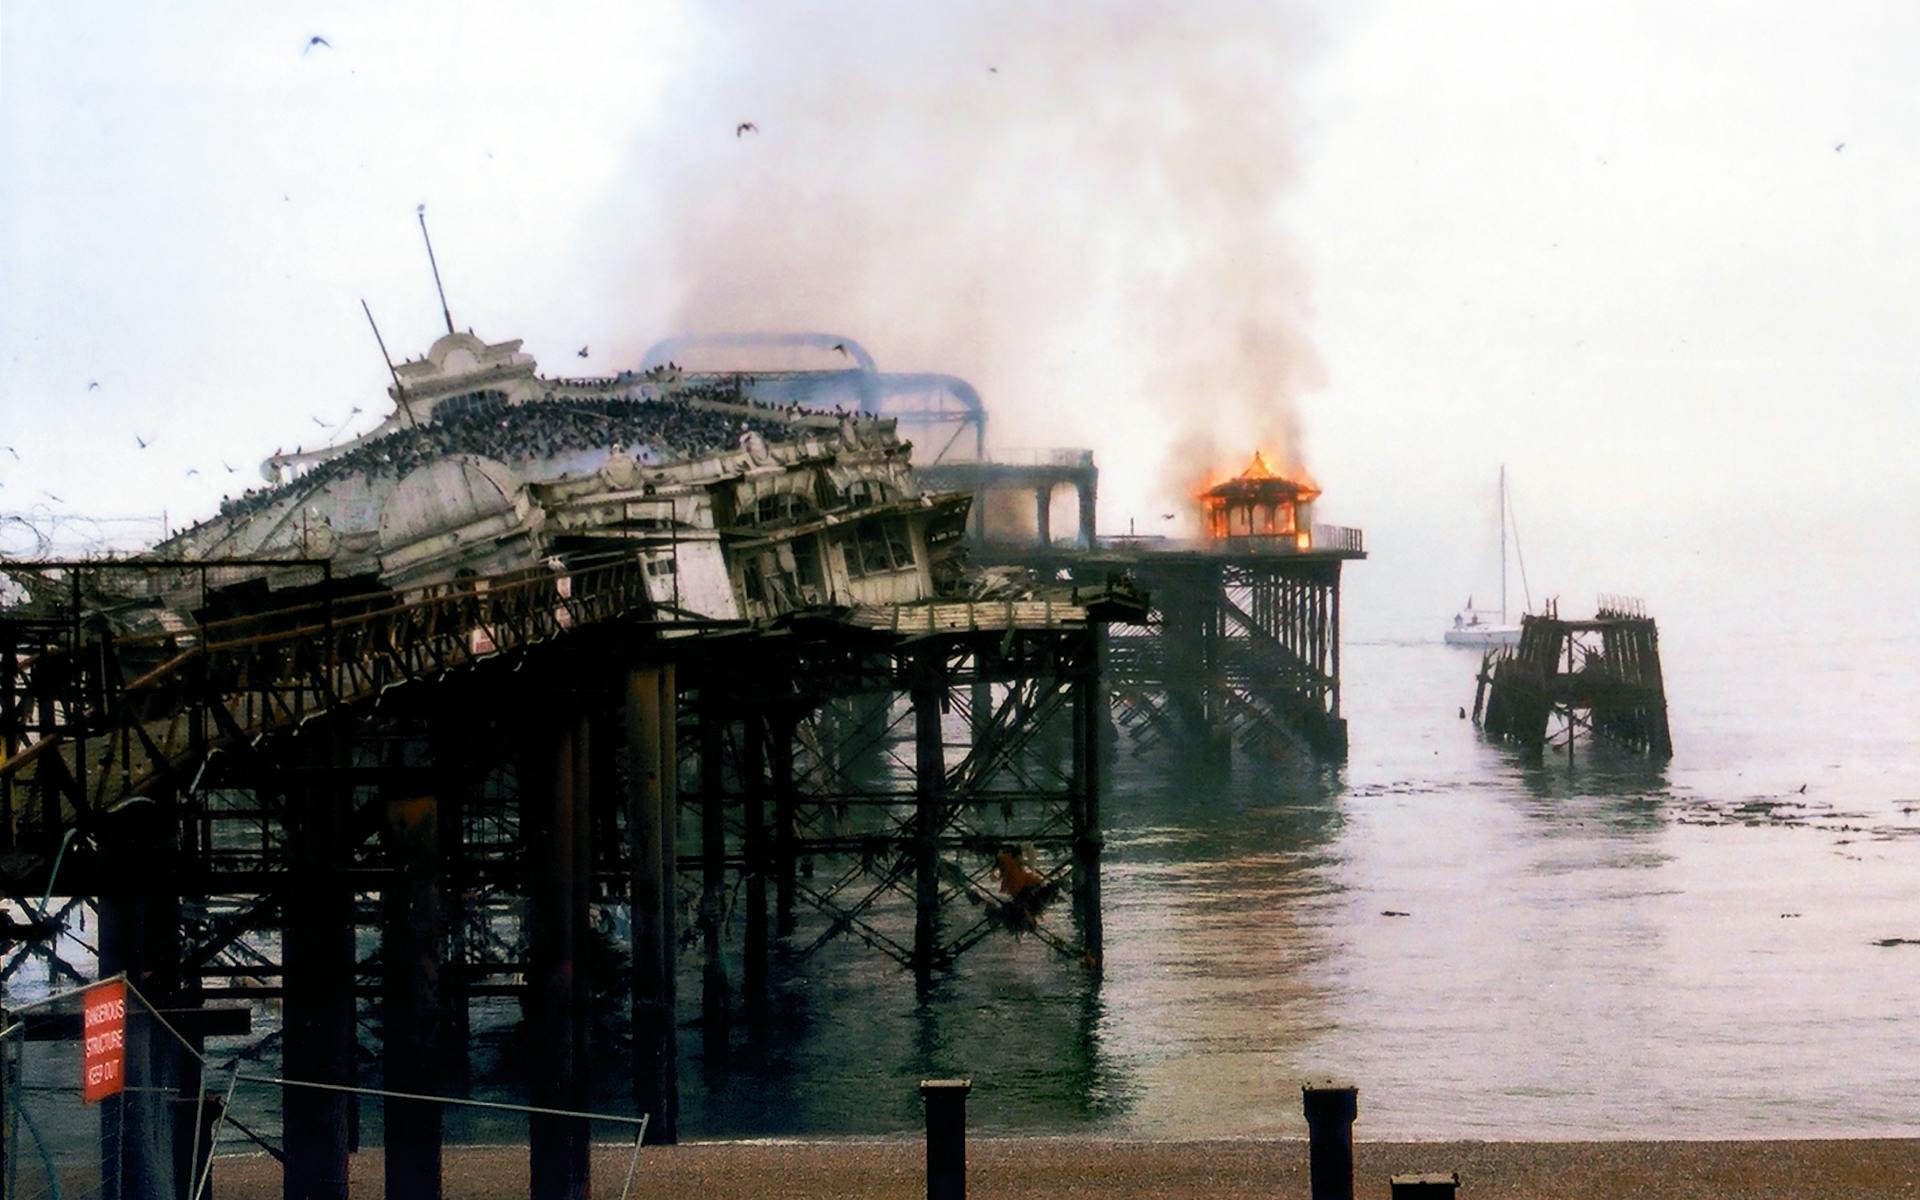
[(161, 701)]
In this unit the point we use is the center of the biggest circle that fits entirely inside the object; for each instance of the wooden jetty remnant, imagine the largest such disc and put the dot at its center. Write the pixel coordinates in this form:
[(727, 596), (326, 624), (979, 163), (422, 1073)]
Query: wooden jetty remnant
[(1601, 675)]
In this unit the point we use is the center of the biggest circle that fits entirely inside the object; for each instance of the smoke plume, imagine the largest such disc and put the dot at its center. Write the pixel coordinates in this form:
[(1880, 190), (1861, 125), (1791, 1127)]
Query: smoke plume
[(1075, 206)]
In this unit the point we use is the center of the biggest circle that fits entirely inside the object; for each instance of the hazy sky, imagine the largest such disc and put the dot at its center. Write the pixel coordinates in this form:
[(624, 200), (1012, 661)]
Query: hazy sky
[(1660, 259)]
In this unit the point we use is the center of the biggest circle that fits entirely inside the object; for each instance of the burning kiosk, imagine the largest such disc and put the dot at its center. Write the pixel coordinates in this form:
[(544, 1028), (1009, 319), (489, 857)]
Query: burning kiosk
[(1257, 503)]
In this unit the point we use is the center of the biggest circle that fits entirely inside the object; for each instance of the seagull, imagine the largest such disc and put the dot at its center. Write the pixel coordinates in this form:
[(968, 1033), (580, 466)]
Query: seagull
[(316, 40), (993, 70), (581, 352), (15, 453), (1840, 147), (1166, 516), (354, 411), (192, 471), (93, 385), (1801, 790), (318, 421), (144, 443), (842, 348), (52, 497), (229, 466), (1392, 912), (744, 128)]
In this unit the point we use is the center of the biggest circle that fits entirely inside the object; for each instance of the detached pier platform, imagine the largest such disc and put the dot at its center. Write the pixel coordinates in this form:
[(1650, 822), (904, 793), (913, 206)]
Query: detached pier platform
[(1602, 675)]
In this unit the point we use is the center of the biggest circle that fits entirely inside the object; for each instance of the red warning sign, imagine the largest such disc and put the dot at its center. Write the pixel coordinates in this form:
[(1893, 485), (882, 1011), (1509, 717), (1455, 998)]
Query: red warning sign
[(104, 1026)]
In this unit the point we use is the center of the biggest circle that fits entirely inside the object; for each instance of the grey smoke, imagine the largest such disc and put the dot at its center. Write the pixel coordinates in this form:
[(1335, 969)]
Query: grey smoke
[(1093, 233)]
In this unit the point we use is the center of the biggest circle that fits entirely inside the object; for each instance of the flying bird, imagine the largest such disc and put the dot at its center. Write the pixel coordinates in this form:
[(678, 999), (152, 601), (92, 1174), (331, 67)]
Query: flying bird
[(842, 348), (93, 385), (993, 70), (15, 453), (192, 471), (143, 442), (52, 497), (744, 128), (1166, 516), (318, 421), (354, 411), (1840, 147), (229, 466), (581, 352), (316, 40)]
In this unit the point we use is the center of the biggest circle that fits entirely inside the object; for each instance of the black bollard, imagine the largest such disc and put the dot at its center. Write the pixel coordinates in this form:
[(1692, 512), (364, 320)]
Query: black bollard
[(1331, 1109), (946, 1101), (1425, 1187)]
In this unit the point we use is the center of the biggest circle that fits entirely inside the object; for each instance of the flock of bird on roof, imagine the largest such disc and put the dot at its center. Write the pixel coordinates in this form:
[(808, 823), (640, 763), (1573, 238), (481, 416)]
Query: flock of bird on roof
[(492, 428)]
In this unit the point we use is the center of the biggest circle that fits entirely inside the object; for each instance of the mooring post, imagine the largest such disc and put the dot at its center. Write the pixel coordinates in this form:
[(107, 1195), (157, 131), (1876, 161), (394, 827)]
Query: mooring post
[(553, 818), (1425, 1187), (1330, 1110), (412, 1051), (651, 897), (715, 1004), (786, 834), (930, 781), (946, 1101), (318, 973), (753, 771)]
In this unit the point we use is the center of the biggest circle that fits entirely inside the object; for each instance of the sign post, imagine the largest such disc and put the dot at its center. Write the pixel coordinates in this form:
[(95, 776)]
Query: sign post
[(104, 1030)]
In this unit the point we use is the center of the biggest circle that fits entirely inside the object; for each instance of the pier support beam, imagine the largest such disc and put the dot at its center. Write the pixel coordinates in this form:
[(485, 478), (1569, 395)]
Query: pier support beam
[(411, 1043), (318, 965), (786, 834), (651, 714), (930, 782), (1043, 515), (715, 1002), (554, 815), (146, 1140), (753, 786), (1089, 703)]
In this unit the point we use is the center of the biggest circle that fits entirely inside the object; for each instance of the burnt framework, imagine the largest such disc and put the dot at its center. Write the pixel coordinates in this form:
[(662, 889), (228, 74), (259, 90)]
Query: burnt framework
[(1600, 676), (1238, 645), (485, 775)]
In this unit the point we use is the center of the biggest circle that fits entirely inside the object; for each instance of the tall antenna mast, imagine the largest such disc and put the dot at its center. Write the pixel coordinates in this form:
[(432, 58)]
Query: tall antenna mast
[(399, 389), (421, 211), (1503, 543)]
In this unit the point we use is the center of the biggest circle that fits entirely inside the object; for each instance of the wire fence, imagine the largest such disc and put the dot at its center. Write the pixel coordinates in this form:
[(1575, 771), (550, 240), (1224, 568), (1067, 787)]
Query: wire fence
[(101, 1095)]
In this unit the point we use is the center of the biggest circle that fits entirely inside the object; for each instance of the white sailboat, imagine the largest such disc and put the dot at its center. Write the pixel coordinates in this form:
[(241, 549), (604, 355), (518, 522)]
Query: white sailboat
[(1484, 627)]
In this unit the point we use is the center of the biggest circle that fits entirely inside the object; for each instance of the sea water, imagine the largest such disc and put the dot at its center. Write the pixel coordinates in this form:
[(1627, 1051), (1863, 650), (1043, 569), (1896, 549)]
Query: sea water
[(1709, 947)]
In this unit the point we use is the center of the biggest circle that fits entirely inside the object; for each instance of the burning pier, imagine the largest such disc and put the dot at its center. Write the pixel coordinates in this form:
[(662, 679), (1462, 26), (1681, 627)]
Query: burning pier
[(541, 666), (1602, 676), (533, 661), (1241, 642)]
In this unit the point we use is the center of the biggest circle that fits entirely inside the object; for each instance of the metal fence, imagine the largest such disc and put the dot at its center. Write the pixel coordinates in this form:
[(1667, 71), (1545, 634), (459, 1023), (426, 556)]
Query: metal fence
[(103, 1096)]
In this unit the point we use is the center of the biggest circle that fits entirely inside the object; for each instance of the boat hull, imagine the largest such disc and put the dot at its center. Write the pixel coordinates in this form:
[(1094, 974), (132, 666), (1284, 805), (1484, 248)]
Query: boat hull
[(1484, 635)]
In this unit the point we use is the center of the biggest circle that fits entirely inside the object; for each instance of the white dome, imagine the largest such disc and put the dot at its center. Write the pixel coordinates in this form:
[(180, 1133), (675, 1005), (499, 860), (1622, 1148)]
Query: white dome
[(447, 494)]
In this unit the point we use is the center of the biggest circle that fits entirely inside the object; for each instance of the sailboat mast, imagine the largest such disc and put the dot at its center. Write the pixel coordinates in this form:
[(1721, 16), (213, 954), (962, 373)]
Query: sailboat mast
[(1503, 543)]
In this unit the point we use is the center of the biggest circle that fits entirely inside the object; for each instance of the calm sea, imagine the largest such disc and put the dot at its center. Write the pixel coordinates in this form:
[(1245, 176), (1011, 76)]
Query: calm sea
[(1609, 950)]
